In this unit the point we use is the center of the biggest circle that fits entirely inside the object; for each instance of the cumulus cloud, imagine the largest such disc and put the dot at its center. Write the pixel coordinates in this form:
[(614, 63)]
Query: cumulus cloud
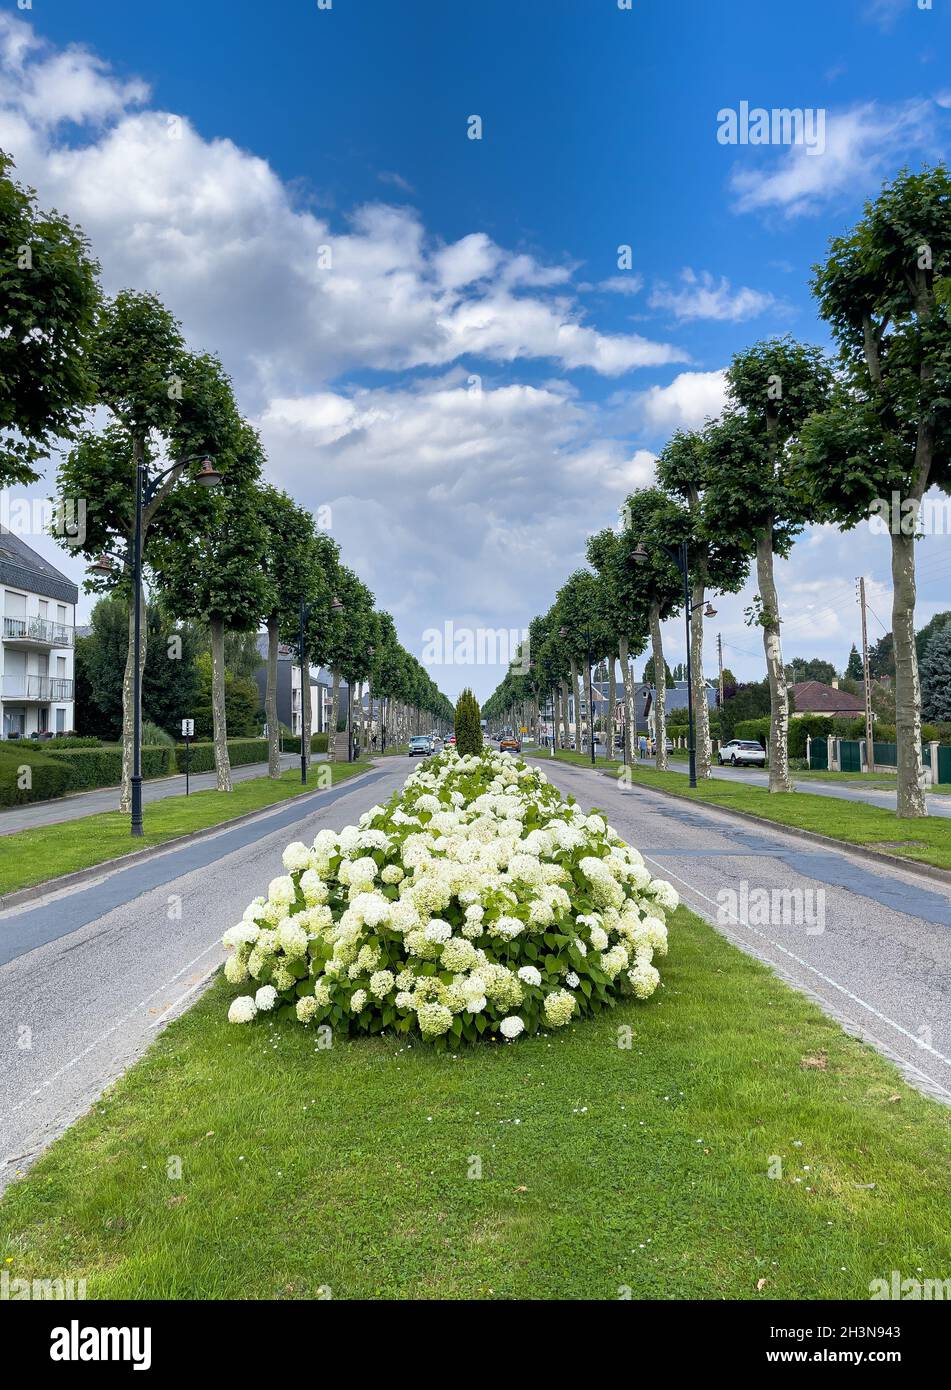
[(862, 144), (212, 228), (702, 297), (688, 402)]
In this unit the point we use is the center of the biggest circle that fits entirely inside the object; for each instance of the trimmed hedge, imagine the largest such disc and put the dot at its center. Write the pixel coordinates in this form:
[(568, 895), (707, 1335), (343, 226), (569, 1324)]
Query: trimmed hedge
[(802, 726), (102, 767), (48, 779), (240, 750), (291, 743)]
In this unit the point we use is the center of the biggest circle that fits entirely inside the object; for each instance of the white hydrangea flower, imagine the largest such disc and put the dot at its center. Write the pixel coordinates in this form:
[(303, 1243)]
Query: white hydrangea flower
[(530, 974), (242, 1010), (296, 856), (265, 998), (511, 1027)]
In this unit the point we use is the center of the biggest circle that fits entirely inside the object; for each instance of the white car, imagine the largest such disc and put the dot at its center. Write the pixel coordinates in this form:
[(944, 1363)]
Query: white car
[(743, 752)]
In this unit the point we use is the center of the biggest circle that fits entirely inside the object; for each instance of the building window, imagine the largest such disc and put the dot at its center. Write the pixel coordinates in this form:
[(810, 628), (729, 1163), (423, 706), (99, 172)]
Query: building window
[(60, 721)]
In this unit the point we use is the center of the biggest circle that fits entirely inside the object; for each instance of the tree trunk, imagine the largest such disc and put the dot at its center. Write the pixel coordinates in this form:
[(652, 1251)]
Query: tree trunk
[(306, 715), (701, 710), (125, 791), (912, 801), (565, 716), (612, 697), (334, 716), (270, 701), (660, 691), (629, 707), (577, 693), (222, 761), (779, 780)]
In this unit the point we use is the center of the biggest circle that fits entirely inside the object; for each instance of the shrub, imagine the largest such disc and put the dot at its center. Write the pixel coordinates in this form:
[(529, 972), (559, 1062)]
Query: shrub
[(291, 743), (241, 751), (475, 901), (152, 734), (102, 767), (468, 724), (45, 779)]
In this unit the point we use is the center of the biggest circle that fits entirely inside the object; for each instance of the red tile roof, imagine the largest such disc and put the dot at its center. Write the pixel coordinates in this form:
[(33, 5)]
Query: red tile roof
[(813, 697)]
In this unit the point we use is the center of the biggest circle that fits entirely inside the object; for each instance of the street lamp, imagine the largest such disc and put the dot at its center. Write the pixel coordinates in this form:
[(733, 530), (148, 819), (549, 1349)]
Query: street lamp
[(147, 486), (681, 558), (304, 684), (563, 632)]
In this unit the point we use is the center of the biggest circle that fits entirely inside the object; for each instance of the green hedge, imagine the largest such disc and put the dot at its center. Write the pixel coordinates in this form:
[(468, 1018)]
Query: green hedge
[(822, 726), (240, 750), (102, 767), (47, 778), (291, 743)]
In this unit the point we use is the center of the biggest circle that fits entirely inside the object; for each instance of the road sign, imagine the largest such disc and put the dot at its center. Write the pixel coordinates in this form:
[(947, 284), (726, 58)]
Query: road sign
[(188, 728)]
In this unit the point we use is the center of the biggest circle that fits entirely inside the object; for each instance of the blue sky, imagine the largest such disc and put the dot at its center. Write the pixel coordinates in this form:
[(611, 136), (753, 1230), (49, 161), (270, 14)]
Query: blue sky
[(496, 259)]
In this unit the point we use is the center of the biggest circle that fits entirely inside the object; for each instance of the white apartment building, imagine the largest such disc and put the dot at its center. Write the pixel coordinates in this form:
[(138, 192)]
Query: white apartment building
[(38, 606)]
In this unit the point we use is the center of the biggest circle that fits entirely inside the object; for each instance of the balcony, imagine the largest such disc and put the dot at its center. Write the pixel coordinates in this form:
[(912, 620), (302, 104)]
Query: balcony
[(36, 690), (37, 633)]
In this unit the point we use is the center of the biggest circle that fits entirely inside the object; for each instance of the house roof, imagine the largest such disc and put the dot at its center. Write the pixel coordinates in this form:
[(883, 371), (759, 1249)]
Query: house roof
[(22, 568), (814, 697)]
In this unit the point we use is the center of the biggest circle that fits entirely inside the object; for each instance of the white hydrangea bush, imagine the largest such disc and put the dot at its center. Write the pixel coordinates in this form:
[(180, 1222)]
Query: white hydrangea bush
[(476, 901)]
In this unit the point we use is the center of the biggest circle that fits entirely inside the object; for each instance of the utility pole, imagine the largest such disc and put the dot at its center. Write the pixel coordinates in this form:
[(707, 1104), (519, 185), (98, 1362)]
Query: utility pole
[(869, 731), (720, 658)]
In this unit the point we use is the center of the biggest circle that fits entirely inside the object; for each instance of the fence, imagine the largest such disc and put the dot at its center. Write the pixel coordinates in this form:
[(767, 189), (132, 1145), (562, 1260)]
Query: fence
[(849, 755)]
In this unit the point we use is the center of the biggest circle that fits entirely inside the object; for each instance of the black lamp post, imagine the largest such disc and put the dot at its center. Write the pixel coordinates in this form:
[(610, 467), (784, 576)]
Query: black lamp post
[(146, 488), (304, 684), (681, 558)]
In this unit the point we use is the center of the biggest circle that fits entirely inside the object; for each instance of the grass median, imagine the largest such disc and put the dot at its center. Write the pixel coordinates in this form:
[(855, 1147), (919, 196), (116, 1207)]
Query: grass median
[(926, 840), (742, 1147), (28, 857)]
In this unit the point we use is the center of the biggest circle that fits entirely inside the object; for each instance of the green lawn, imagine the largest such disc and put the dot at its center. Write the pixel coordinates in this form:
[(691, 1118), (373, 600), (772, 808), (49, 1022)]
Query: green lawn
[(32, 856), (927, 841), (603, 1168)]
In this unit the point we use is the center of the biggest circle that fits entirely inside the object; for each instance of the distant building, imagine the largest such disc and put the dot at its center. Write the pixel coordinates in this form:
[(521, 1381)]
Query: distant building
[(289, 689), (676, 698), (814, 697), (36, 643)]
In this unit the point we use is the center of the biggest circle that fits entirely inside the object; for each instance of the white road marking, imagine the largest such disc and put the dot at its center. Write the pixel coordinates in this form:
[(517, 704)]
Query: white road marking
[(664, 872)]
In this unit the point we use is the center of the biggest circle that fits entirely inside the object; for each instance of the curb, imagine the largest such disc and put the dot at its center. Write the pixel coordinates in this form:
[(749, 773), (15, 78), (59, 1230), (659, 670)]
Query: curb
[(108, 866), (877, 856)]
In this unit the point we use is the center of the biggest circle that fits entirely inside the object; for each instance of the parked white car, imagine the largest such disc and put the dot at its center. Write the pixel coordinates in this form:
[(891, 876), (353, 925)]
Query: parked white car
[(743, 752)]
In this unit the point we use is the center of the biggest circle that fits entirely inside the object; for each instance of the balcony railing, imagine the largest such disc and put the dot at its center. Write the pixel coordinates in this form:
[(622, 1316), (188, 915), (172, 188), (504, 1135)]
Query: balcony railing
[(41, 689), (37, 630)]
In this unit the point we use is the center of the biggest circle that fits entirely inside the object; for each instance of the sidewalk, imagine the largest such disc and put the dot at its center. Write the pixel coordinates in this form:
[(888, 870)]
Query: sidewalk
[(65, 808)]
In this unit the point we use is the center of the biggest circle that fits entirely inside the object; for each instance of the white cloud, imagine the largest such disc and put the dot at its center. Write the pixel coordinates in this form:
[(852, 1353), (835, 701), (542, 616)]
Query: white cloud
[(862, 144), (687, 403), (213, 229), (702, 297)]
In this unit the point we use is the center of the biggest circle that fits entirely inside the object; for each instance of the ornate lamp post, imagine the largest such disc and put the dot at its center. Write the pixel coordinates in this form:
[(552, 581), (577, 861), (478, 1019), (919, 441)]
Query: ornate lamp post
[(146, 488)]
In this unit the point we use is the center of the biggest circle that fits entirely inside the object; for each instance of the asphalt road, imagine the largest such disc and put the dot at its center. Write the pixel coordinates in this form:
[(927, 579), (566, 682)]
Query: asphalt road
[(874, 949), (88, 975), (63, 808)]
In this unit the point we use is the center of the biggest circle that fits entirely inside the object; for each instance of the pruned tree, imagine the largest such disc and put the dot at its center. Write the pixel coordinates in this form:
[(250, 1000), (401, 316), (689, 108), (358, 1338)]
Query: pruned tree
[(48, 300), (885, 291), (773, 388)]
